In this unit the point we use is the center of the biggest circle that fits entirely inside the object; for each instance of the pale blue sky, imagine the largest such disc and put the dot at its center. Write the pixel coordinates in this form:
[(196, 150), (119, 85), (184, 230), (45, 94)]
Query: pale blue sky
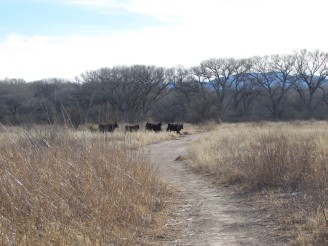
[(51, 18), (63, 38)]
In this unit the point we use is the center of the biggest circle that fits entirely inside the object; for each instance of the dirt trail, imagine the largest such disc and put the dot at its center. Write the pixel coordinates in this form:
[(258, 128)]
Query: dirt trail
[(209, 215)]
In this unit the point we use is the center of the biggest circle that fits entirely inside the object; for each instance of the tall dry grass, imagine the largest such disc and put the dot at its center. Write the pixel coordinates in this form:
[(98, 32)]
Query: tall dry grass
[(275, 154), (289, 157), (58, 187)]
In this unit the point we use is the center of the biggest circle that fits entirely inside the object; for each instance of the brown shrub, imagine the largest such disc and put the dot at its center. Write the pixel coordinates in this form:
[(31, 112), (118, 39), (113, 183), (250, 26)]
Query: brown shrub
[(283, 159)]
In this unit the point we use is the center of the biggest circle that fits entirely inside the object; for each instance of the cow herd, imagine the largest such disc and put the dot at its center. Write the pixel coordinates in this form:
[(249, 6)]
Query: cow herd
[(155, 127)]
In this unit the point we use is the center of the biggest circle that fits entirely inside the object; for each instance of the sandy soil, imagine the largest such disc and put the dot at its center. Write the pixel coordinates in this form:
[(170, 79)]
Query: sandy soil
[(207, 214)]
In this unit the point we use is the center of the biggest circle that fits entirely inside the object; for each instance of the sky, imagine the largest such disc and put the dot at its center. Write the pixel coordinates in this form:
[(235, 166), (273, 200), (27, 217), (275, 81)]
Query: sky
[(42, 39)]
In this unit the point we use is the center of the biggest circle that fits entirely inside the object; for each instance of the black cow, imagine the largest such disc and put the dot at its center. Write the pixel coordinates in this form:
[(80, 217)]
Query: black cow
[(154, 127), (107, 127), (174, 127), (102, 127), (131, 128)]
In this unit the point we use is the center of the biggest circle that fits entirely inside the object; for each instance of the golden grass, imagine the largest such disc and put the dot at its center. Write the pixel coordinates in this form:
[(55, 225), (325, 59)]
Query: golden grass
[(291, 157), (61, 187), (309, 231), (273, 154)]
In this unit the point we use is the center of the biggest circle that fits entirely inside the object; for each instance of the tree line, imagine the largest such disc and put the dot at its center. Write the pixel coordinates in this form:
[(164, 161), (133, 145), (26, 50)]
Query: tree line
[(276, 87)]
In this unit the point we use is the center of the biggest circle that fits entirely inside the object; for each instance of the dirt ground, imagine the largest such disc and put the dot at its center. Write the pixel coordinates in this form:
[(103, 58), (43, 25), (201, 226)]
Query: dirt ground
[(207, 214)]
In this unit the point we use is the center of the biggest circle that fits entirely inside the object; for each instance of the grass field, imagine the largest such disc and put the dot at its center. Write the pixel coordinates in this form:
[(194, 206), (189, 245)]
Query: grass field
[(284, 162), (65, 187)]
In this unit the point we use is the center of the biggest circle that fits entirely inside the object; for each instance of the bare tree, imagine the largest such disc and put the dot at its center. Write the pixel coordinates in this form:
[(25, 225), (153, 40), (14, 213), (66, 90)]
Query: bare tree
[(222, 74), (174, 107), (182, 80), (14, 98), (197, 98), (127, 92), (52, 99), (312, 70), (244, 90), (204, 104), (275, 74)]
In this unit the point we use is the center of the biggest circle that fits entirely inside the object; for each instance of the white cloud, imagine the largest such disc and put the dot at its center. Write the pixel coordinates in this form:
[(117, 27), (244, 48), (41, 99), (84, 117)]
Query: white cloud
[(201, 30)]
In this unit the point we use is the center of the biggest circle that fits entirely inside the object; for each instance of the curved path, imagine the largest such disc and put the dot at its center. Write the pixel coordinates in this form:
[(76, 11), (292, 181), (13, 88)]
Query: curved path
[(207, 214)]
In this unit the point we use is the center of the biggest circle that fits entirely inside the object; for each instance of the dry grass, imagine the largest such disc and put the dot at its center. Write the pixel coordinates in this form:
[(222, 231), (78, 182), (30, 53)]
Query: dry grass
[(289, 157), (59, 187)]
